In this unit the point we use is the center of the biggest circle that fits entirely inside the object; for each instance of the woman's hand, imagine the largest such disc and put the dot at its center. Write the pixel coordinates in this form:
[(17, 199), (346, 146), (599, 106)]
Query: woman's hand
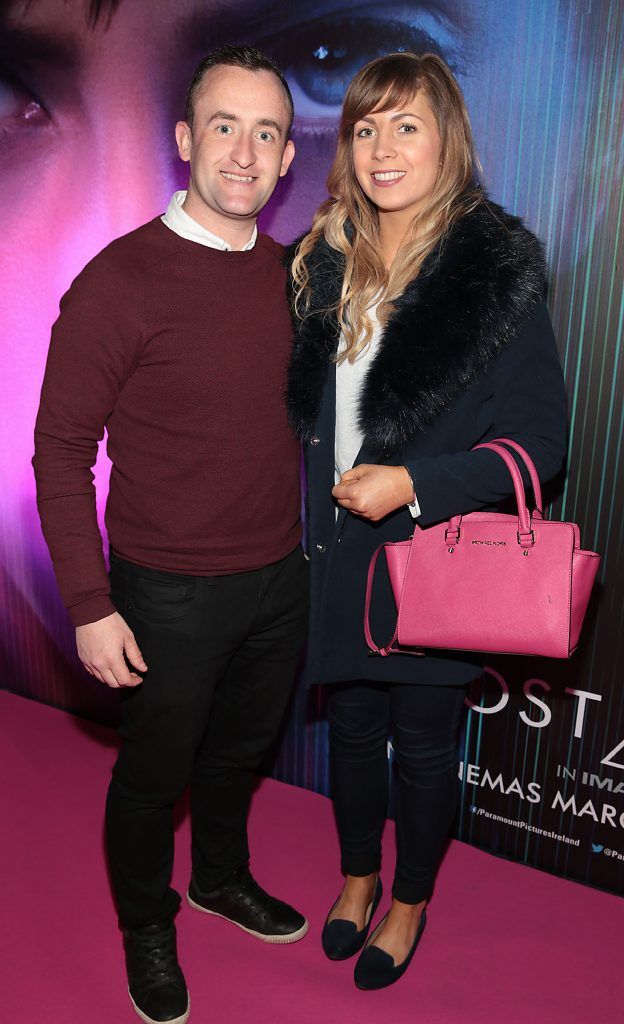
[(374, 491)]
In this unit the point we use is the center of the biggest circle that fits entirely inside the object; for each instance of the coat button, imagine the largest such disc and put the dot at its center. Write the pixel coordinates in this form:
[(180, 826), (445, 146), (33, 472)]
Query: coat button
[(321, 548), (315, 440)]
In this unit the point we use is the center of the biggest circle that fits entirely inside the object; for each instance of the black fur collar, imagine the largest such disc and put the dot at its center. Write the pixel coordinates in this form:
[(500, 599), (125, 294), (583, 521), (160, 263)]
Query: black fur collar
[(467, 303)]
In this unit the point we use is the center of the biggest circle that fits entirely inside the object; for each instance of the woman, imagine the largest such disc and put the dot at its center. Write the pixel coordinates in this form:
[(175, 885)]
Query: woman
[(422, 330)]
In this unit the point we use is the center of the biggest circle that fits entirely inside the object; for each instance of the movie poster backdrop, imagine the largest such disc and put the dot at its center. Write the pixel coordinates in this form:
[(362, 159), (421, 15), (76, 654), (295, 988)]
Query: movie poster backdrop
[(89, 93)]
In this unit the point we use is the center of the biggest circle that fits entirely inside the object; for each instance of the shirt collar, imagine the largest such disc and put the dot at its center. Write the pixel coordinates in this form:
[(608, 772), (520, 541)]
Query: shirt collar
[(179, 221)]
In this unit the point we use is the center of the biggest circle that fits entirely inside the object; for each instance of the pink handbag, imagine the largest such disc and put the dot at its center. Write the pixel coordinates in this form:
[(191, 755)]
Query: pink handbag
[(490, 582)]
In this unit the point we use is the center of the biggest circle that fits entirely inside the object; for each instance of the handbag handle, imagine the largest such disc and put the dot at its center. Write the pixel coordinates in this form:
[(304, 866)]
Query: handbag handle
[(525, 533), (369, 588), (530, 465), (388, 649)]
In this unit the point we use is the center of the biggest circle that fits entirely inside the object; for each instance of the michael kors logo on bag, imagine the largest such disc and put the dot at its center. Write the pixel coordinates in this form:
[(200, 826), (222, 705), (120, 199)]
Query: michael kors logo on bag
[(490, 543)]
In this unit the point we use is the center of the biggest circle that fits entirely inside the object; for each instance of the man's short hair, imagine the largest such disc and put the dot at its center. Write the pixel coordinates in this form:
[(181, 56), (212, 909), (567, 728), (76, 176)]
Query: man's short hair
[(246, 57)]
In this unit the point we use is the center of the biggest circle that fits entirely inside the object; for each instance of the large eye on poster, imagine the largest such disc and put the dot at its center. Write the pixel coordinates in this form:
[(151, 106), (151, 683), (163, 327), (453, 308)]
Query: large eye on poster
[(90, 91)]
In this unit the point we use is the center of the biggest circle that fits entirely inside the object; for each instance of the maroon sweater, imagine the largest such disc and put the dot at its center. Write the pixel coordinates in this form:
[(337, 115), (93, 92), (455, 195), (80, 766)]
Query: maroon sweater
[(180, 352)]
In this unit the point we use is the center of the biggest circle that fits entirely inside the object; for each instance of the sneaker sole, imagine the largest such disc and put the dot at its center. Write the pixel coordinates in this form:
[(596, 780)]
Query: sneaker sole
[(150, 1020), (275, 939)]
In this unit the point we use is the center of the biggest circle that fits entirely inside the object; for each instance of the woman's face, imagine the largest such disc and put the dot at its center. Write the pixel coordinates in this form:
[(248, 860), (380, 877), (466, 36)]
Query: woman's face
[(396, 156)]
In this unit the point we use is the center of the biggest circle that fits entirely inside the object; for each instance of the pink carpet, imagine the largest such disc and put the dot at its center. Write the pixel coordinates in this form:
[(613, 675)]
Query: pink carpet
[(504, 944)]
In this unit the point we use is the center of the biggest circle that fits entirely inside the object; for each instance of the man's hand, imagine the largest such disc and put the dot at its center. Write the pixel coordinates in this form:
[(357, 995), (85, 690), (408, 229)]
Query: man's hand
[(374, 491), (101, 646)]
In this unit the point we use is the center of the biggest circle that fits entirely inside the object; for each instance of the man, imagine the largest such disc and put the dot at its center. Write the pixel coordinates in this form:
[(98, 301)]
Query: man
[(176, 339)]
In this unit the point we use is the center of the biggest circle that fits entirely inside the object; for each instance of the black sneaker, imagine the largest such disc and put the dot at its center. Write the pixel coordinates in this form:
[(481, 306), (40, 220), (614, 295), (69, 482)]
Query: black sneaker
[(243, 902), (155, 981)]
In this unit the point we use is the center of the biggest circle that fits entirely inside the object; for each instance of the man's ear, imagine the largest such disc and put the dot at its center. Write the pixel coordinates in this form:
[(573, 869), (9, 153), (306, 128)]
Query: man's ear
[(184, 139), (288, 157)]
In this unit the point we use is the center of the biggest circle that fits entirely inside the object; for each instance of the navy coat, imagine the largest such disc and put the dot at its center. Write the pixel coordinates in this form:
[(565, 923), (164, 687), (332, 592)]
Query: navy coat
[(467, 355)]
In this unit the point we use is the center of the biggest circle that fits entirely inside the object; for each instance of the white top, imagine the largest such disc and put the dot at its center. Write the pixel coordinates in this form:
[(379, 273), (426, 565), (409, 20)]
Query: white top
[(349, 383), (350, 379), (179, 221)]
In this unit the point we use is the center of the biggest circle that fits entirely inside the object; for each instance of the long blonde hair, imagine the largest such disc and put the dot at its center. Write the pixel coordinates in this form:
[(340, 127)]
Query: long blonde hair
[(349, 221)]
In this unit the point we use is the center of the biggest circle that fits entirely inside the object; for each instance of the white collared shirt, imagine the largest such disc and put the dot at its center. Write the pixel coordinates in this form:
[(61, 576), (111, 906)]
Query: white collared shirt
[(179, 221)]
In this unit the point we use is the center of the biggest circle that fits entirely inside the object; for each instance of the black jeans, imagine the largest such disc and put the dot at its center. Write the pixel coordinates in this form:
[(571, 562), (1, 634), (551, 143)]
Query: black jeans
[(423, 722), (222, 653)]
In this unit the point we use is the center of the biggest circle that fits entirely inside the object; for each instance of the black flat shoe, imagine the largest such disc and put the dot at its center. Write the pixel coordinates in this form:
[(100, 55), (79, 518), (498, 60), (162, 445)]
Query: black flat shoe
[(340, 938), (376, 968)]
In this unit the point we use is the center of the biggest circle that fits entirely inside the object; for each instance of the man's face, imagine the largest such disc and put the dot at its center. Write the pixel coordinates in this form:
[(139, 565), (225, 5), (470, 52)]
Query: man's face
[(237, 146)]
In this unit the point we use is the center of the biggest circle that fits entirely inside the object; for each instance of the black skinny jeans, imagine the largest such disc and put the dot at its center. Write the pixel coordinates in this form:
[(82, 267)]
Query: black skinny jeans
[(423, 722), (222, 653)]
